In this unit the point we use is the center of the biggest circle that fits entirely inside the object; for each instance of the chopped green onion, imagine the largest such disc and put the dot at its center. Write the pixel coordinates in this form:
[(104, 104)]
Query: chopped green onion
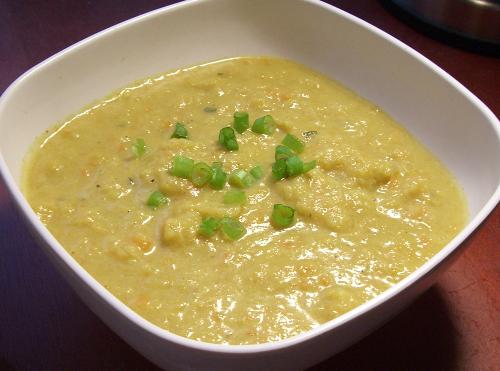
[(182, 167), (279, 169), (257, 172), (282, 152), (209, 226), (218, 176), (227, 139), (293, 142), (210, 109), (241, 122), (225, 134), (201, 174), (282, 216), (264, 125), (294, 166), (309, 166), (240, 178), (180, 131), (232, 145), (156, 199), (139, 147), (234, 196), (232, 228)]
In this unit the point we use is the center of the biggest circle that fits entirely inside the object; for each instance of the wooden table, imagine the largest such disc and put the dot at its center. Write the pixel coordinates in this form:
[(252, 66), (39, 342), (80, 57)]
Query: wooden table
[(44, 326)]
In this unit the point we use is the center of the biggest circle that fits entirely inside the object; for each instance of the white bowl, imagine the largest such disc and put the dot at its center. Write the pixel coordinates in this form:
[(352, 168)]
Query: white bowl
[(439, 111)]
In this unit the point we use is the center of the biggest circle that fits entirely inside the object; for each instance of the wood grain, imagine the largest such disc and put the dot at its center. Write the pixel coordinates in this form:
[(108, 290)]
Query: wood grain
[(44, 326)]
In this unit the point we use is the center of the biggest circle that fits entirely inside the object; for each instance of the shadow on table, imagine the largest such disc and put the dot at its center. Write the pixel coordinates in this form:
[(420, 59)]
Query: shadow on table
[(420, 336), (5, 366)]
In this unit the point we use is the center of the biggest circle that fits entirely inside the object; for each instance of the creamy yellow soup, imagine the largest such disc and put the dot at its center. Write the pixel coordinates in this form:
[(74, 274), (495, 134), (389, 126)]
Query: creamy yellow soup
[(375, 208)]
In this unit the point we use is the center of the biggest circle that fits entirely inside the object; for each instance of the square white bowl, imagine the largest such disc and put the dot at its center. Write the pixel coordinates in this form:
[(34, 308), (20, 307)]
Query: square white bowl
[(439, 111)]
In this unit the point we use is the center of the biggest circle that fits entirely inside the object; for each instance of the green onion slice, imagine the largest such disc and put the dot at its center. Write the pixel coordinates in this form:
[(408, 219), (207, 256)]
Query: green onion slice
[(309, 166), (225, 134), (282, 152), (257, 172), (232, 228), (279, 169), (264, 125), (282, 216), (291, 141), (235, 197), (139, 147), (219, 177), (201, 174), (182, 167), (294, 166), (241, 122), (180, 131), (209, 226), (227, 139), (240, 178), (156, 199), (232, 145)]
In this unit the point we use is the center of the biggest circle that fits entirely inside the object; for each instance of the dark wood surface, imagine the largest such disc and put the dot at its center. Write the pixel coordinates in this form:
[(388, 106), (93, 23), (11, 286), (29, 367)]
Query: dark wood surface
[(44, 326)]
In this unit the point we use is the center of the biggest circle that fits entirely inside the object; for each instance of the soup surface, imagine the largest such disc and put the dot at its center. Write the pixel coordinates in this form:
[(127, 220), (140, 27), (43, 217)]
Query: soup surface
[(376, 206)]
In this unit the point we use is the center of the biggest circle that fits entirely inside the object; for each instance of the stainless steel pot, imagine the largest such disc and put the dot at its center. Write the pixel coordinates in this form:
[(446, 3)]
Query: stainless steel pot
[(475, 19)]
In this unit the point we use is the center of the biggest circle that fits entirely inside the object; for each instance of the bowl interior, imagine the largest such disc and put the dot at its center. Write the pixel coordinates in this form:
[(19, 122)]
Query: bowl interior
[(436, 109)]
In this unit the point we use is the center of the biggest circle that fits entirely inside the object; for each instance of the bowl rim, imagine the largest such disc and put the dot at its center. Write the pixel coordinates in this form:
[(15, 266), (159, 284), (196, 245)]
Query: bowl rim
[(135, 318)]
